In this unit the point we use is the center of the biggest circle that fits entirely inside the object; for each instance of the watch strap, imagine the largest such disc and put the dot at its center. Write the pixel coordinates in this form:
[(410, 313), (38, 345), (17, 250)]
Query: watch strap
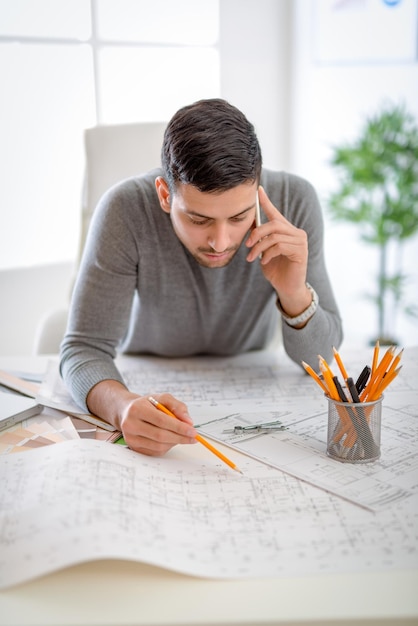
[(305, 315)]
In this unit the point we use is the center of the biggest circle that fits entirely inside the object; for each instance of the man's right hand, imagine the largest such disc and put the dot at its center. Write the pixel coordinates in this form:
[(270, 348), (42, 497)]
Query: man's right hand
[(144, 427)]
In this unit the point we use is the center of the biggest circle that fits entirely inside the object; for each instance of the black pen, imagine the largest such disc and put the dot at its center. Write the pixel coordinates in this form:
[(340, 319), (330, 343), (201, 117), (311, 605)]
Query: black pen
[(352, 389), (340, 390), (362, 427), (362, 379)]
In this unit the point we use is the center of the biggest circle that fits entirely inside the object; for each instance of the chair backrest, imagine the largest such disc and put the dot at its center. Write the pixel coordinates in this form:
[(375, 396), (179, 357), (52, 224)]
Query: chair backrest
[(115, 152)]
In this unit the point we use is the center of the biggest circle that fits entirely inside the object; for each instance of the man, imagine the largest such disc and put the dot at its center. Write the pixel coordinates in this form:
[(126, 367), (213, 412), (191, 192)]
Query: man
[(175, 265)]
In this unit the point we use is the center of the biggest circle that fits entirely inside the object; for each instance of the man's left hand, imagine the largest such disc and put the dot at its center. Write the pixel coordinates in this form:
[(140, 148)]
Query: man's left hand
[(283, 252)]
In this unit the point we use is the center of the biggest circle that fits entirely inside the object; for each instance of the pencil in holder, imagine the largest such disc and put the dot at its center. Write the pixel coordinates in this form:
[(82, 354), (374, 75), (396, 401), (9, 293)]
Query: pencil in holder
[(354, 430)]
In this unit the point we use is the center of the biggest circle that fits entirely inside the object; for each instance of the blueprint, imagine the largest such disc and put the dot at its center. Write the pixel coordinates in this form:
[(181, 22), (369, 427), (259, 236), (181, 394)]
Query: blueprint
[(259, 387), (264, 386), (86, 500), (187, 511)]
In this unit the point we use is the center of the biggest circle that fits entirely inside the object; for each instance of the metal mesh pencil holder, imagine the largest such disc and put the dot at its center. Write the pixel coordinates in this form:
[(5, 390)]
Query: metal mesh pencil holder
[(354, 430)]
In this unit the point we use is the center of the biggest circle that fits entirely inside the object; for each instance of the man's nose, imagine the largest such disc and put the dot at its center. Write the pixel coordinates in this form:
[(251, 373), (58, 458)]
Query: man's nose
[(219, 239)]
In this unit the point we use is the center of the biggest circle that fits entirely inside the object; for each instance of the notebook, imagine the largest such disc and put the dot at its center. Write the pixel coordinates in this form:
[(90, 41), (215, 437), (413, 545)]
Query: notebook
[(14, 408)]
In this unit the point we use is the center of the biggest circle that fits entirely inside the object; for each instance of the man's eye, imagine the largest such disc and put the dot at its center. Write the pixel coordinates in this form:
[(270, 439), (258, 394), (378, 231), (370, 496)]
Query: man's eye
[(198, 222)]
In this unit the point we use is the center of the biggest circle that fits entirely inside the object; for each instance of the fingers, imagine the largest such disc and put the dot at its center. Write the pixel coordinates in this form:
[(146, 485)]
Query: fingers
[(179, 409), (264, 230), (276, 237), (292, 246), (269, 210), (148, 430)]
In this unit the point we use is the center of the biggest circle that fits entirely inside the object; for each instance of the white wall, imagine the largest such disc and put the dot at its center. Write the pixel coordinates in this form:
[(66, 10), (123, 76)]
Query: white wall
[(255, 70), (253, 44), (329, 104), (298, 108), (301, 108)]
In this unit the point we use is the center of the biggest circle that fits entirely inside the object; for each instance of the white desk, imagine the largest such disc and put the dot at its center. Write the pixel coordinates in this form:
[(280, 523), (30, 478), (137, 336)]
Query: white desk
[(122, 593)]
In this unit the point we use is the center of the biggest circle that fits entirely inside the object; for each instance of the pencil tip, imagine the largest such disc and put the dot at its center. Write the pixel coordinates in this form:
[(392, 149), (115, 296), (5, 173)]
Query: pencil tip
[(238, 470)]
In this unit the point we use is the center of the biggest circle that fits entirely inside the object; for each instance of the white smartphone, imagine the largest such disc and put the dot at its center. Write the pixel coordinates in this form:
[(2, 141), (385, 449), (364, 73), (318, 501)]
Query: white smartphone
[(257, 210)]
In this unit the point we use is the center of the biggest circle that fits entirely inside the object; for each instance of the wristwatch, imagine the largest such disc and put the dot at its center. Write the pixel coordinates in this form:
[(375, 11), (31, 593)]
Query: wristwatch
[(306, 314)]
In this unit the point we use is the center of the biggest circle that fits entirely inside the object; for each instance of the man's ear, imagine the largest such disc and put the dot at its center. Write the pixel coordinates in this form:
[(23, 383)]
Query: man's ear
[(163, 193)]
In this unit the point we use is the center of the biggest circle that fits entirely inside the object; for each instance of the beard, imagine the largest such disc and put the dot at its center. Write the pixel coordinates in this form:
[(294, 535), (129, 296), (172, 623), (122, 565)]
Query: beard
[(200, 255)]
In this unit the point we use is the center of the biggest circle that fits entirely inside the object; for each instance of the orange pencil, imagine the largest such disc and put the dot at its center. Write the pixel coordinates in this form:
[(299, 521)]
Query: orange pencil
[(395, 362), (328, 376), (370, 388), (324, 364), (201, 440), (331, 391), (385, 382), (315, 376), (375, 357), (340, 364), (386, 359), (346, 426)]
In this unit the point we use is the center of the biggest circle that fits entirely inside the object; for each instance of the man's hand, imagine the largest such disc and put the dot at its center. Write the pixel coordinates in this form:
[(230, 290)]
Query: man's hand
[(145, 428), (284, 257)]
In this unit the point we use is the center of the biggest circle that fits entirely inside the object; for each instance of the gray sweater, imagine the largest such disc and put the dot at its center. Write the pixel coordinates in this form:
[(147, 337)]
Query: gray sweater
[(140, 291)]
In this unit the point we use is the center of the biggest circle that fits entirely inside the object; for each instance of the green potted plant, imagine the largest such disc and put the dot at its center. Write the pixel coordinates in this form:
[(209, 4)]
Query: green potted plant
[(378, 192)]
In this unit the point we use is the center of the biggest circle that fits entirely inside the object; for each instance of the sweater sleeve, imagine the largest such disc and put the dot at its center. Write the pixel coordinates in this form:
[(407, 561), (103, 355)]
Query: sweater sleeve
[(297, 200), (102, 298)]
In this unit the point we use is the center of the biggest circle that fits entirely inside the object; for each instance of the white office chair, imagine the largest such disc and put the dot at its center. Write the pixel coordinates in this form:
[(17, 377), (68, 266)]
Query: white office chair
[(113, 152)]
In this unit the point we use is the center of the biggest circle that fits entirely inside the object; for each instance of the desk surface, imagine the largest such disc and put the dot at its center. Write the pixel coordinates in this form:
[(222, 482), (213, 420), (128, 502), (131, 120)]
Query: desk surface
[(121, 593), (124, 593)]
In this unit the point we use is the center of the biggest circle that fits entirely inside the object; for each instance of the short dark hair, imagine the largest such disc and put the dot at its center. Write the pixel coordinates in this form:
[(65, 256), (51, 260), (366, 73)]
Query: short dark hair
[(211, 145)]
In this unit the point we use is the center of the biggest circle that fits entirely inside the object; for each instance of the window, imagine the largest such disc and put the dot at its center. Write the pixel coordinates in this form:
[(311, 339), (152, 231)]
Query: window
[(66, 66)]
